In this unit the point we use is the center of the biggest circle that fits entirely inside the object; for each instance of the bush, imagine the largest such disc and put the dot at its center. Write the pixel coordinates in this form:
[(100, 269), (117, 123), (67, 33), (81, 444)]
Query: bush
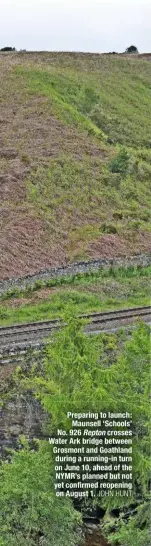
[(108, 228), (120, 163), (30, 512)]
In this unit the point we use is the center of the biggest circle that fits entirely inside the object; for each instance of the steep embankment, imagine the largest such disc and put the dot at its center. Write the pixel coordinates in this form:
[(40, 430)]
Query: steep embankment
[(75, 159)]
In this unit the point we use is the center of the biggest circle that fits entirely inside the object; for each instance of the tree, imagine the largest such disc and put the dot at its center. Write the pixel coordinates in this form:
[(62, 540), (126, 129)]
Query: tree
[(131, 49), (7, 48), (135, 530), (30, 512)]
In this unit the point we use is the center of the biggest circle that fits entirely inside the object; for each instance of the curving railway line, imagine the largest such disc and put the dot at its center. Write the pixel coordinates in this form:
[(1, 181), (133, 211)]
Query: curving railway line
[(22, 336)]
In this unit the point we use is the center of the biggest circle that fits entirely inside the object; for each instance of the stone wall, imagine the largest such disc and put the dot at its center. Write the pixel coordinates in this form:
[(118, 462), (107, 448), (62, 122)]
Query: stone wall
[(142, 260), (23, 415)]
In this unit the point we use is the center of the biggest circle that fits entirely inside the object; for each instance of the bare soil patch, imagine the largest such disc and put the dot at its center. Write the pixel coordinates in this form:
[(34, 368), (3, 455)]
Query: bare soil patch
[(114, 245), (40, 295)]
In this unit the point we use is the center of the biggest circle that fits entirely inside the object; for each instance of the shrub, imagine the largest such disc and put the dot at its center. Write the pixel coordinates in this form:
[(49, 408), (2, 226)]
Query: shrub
[(108, 228), (120, 163), (30, 511)]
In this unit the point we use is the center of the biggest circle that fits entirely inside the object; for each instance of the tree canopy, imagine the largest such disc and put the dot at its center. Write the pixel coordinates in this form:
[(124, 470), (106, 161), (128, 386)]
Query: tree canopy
[(132, 49), (30, 513)]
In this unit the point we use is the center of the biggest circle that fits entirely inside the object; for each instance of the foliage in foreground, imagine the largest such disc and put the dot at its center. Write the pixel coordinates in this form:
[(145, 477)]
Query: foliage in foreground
[(30, 513), (77, 371), (78, 374), (136, 530)]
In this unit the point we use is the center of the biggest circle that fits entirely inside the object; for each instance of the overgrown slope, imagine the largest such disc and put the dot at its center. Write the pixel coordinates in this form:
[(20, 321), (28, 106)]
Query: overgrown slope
[(75, 158)]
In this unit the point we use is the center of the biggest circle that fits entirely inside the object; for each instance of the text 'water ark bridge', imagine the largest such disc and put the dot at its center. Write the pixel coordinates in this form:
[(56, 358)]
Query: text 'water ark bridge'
[(20, 337)]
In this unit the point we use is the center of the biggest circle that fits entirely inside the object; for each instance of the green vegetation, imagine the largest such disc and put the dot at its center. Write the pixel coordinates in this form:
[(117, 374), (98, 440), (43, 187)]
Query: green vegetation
[(120, 274), (30, 513), (75, 170), (131, 49), (134, 531), (82, 142), (94, 291), (67, 189), (120, 163), (72, 189), (7, 48), (77, 369), (109, 92), (89, 373)]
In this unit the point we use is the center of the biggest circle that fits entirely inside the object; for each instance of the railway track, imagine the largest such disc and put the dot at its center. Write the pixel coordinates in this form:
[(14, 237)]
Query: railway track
[(21, 336)]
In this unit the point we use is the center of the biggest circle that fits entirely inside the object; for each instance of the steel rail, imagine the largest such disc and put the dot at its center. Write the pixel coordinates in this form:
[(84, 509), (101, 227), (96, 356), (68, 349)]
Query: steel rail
[(35, 328)]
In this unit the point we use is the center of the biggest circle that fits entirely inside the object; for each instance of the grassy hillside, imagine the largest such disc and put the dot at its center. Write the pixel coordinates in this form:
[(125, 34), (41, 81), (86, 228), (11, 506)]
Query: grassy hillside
[(75, 158)]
